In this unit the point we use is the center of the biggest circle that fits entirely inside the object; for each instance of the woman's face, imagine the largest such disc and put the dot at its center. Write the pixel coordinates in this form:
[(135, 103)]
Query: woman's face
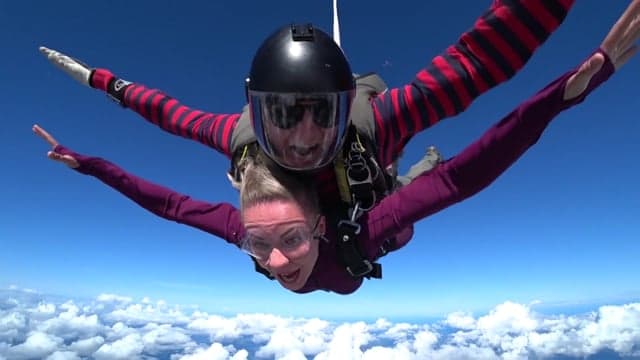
[(283, 240)]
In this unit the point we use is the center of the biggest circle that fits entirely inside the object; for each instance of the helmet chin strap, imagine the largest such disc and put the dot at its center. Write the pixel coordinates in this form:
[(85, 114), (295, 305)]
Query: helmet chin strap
[(336, 23)]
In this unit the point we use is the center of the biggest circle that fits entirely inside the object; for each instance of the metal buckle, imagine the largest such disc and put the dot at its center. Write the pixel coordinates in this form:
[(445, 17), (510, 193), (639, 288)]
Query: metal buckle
[(361, 270), (352, 226)]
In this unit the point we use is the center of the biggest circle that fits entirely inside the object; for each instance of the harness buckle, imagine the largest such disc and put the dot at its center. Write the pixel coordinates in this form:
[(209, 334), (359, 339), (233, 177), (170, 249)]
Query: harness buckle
[(361, 269), (361, 182), (351, 229), (358, 266)]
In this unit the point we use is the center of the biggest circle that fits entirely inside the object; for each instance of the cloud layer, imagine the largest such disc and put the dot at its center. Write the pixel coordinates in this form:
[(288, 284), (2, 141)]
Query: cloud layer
[(33, 326)]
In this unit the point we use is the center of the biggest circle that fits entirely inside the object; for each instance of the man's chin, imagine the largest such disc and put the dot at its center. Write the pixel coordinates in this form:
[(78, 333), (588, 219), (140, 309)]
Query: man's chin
[(301, 163)]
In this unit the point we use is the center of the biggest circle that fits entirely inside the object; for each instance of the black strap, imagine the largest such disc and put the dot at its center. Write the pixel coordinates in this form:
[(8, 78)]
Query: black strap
[(356, 265), (366, 181), (360, 181)]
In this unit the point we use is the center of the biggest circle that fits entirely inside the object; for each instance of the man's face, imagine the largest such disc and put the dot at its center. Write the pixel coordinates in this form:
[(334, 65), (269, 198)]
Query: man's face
[(301, 135)]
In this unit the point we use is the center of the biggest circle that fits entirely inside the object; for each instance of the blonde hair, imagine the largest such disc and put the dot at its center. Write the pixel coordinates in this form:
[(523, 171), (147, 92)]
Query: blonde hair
[(264, 181)]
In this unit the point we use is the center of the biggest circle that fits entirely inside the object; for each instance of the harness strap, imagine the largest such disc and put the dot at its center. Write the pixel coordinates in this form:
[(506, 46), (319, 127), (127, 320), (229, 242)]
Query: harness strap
[(357, 266), (341, 179), (359, 183), (248, 150)]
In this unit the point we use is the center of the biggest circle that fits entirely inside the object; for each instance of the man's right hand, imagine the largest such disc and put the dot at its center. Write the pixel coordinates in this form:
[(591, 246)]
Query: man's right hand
[(76, 69)]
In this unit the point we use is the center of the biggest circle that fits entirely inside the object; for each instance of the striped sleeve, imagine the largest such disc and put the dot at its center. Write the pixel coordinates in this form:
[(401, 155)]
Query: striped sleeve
[(213, 130), (500, 43)]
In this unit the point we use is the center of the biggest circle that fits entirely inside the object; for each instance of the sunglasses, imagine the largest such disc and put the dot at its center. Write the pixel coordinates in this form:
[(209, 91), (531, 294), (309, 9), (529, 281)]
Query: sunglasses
[(287, 116)]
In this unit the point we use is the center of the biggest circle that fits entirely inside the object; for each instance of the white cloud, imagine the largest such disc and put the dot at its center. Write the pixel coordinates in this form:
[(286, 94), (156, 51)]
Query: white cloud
[(399, 352), (283, 343), (12, 324), (114, 327), (507, 318), (112, 298), (461, 320), (617, 328), (347, 339), (38, 345), (217, 326), (140, 314), (165, 337), (9, 303), (70, 324), (44, 310), (86, 347), (129, 347), (118, 331), (215, 352), (400, 331), (63, 355)]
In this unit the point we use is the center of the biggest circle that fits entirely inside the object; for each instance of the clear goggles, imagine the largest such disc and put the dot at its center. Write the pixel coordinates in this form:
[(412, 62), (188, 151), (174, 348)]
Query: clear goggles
[(294, 245)]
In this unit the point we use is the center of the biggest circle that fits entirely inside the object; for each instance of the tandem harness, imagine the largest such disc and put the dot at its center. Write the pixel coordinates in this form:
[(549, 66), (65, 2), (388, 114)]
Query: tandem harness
[(361, 180)]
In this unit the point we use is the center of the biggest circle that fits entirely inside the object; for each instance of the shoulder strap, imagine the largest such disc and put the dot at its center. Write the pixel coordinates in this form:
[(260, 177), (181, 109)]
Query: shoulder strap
[(235, 171), (368, 86), (243, 133)]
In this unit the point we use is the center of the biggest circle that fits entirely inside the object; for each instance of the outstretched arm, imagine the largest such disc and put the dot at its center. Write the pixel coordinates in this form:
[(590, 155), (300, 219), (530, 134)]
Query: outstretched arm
[(478, 165), (213, 130), (500, 43), (221, 219)]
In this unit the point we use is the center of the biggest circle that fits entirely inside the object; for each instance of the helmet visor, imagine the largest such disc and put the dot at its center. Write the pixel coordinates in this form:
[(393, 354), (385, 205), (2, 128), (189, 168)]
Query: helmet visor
[(300, 131)]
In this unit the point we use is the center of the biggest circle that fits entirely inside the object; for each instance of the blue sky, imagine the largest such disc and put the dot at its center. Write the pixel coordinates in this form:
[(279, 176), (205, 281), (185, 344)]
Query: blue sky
[(559, 229)]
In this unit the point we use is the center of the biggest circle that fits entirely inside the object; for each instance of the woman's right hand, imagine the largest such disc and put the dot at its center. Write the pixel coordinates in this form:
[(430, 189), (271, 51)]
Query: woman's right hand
[(620, 45), (68, 160)]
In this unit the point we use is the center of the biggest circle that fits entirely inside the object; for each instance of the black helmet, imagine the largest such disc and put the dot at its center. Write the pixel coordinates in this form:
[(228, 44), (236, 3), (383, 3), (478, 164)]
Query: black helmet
[(300, 90)]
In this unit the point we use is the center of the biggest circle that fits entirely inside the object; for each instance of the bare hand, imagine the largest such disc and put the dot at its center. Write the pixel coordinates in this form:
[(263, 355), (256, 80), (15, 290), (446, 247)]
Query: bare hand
[(68, 160), (621, 41), (620, 45)]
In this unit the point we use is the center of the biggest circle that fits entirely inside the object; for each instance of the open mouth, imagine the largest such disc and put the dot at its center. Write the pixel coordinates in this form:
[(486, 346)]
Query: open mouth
[(290, 277)]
